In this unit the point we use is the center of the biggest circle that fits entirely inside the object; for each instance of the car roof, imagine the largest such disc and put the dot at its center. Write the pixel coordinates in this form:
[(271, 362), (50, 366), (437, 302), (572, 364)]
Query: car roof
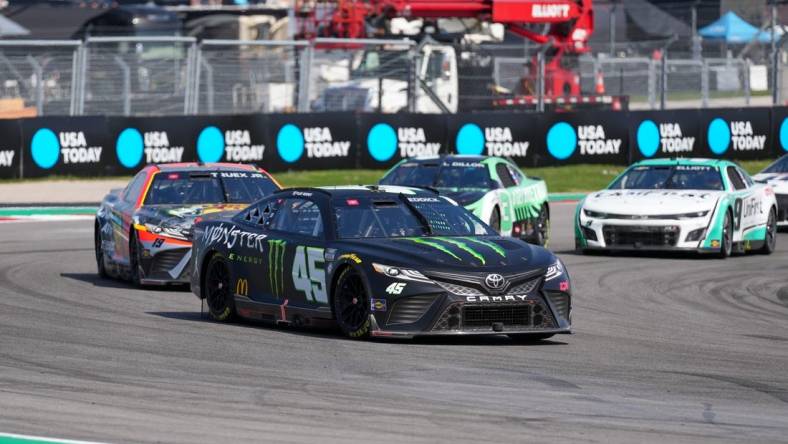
[(685, 161), (205, 167), (362, 190), (450, 158)]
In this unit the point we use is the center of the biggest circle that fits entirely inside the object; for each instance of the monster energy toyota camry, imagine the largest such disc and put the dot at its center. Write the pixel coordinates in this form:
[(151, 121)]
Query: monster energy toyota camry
[(494, 189), (377, 261)]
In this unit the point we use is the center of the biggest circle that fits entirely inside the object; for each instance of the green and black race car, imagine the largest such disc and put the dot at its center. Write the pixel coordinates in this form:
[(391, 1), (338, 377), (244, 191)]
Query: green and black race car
[(493, 188), (377, 261)]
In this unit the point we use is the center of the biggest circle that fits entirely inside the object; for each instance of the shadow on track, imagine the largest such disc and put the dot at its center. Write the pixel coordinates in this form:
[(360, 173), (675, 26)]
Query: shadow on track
[(683, 255), (334, 333), (93, 278)]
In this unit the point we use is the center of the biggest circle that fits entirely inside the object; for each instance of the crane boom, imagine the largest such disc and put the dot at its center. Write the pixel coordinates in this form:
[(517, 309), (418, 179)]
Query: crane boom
[(570, 21)]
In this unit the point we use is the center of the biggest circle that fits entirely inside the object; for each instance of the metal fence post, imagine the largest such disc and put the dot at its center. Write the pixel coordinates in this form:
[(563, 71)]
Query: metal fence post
[(652, 84), (76, 56), (209, 92), (305, 77), (413, 63), (188, 88), (664, 80), (124, 67), (746, 79), (540, 89), (39, 75), (704, 83), (83, 68), (197, 79)]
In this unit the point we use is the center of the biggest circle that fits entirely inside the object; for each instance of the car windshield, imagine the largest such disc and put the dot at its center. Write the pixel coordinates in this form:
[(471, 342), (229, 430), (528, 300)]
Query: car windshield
[(183, 187), (780, 166), (401, 216), (447, 176), (669, 177)]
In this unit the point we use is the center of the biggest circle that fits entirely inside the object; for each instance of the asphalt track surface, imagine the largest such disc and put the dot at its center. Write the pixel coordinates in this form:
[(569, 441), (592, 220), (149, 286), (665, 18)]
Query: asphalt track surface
[(669, 349)]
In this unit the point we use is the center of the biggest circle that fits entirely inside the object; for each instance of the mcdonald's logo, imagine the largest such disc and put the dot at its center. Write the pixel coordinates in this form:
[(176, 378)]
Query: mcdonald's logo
[(242, 287)]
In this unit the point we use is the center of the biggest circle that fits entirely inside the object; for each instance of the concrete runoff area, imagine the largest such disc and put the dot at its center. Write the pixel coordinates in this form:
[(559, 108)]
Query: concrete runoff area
[(666, 349)]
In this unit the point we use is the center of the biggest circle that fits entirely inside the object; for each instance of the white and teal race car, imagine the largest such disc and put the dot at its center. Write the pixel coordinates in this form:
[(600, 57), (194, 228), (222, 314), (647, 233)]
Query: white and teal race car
[(493, 188), (703, 205)]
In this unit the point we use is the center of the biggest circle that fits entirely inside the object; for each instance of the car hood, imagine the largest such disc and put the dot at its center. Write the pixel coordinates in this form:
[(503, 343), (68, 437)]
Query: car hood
[(503, 255), (651, 202), (778, 181)]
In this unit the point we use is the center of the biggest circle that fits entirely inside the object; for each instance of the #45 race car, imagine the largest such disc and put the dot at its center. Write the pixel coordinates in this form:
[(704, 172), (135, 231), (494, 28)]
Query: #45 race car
[(494, 189), (377, 261), (703, 205)]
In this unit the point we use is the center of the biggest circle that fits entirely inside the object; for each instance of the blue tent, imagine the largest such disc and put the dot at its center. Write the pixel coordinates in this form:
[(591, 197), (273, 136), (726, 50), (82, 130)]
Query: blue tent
[(733, 29)]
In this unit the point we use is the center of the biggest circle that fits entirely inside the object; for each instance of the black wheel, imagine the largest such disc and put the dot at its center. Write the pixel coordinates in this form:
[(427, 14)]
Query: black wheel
[(351, 305), (102, 270), (727, 237), (495, 220), (771, 233), (542, 227), (221, 302), (529, 338), (134, 259)]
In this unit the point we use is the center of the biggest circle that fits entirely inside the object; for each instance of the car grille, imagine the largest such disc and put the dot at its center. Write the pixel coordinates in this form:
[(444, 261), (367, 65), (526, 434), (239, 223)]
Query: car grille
[(641, 235), (409, 310), (167, 260), (533, 314), (560, 302), (458, 289), (525, 287), (485, 316)]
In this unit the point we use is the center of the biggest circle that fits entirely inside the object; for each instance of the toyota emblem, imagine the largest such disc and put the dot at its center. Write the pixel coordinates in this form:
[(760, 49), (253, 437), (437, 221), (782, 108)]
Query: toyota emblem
[(494, 281)]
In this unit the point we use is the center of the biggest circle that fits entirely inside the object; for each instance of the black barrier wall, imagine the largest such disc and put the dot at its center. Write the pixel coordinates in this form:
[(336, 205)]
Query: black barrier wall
[(99, 146)]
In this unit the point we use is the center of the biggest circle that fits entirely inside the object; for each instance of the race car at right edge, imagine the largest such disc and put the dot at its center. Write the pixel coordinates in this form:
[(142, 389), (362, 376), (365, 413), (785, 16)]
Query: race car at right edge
[(698, 205), (776, 175)]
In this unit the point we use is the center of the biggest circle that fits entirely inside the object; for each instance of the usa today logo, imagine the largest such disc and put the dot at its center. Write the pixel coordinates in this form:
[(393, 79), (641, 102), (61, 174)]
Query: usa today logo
[(737, 134), (383, 142), (316, 142), (563, 140), (235, 145), (131, 145), (496, 140), (784, 134), (46, 148), (668, 135)]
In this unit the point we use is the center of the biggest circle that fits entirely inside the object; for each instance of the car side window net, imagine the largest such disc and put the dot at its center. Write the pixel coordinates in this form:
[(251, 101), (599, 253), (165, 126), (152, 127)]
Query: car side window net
[(735, 179), (504, 176)]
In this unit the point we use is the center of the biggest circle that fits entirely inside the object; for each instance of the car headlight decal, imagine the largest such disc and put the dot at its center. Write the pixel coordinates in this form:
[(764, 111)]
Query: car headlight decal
[(554, 271), (400, 273)]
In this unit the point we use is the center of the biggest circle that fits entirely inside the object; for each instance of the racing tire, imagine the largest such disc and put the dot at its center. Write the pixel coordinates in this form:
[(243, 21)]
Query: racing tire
[(542, 228), (530, 337), (351, 305), (495, 220), (726, 245), (100, 266), (216, 287), (134, 259), (770, 243)]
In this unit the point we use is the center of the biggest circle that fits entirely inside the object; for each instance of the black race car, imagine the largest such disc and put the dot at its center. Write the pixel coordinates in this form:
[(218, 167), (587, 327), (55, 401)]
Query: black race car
[(377, 261), (143, 232)]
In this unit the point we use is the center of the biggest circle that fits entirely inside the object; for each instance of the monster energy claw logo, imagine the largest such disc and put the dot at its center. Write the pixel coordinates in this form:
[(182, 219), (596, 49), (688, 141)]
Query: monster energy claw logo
[(276, 259)]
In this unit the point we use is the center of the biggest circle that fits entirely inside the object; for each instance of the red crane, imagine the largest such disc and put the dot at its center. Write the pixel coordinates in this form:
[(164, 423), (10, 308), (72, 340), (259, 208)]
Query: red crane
[(567, 27)]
